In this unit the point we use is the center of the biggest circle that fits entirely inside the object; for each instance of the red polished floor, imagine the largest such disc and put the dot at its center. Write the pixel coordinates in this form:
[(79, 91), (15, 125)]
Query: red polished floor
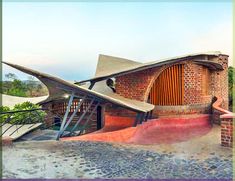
[(155, 131)]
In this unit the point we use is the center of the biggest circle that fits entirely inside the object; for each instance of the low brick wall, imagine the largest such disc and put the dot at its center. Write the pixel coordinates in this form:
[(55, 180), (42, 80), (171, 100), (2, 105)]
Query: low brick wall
[(182, 110), (112, 110), (226, 122), (227, 131)]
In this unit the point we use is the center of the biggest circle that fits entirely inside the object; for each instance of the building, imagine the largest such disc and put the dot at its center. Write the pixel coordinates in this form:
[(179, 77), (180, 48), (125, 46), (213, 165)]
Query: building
[(125, 93)]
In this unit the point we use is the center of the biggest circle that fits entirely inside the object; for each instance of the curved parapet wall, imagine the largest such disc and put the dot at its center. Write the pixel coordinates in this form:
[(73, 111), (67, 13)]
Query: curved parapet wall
[(155, 131), (226, 119), (217, 105), (217, 110)]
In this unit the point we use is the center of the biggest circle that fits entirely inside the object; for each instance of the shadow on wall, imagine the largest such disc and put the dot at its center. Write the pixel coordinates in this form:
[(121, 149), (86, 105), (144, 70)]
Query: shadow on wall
[(155, 131)]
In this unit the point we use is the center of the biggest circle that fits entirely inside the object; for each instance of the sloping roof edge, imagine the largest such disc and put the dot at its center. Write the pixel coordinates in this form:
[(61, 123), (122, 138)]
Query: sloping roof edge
[(46, 78), (160, 63), (107, 63)]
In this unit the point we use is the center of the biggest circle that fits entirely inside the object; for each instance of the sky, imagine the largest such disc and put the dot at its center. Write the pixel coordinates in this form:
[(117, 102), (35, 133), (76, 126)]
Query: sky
[(65, 38)]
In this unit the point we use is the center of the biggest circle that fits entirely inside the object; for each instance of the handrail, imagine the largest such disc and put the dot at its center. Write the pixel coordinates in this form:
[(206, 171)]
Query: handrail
[(216, 105), (26, 110)]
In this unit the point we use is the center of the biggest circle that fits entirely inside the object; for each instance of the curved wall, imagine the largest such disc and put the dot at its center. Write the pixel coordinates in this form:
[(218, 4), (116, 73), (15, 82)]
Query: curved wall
[(155, 131), (200, 86)]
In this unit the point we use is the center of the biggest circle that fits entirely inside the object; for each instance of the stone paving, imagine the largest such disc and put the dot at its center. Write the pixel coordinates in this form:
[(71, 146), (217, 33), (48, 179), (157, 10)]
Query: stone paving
[(53, 159)]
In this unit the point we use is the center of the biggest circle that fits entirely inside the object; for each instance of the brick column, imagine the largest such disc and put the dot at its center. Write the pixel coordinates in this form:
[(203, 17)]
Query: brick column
[(227, 131), (219, 80)]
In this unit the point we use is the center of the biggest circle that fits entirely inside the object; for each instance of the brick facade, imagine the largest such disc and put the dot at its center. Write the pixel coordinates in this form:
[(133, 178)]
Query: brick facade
[(193, 84), (181, 110), (197, 78), (219, 81), (113, 110), (137, 85)]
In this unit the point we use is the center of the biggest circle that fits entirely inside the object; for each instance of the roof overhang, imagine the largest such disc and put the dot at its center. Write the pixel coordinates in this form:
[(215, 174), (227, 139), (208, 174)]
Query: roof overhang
[(58, 87), (139, 67)]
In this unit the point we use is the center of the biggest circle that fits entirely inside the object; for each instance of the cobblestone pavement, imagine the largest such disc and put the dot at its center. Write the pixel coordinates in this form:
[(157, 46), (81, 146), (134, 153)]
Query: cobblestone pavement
[(51, 159)]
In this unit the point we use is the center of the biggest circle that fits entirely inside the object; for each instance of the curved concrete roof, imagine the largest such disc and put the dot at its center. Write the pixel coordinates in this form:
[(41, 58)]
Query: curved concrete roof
[(109, 64), (120, 66), (58, 87)]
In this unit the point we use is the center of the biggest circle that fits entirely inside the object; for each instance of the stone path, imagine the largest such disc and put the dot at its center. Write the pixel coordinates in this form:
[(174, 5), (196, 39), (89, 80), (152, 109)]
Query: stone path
[(51, 159)]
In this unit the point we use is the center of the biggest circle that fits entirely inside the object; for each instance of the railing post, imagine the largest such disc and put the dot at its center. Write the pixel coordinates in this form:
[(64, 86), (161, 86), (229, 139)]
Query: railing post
[(65, 116), (72, 116), (81, 117)]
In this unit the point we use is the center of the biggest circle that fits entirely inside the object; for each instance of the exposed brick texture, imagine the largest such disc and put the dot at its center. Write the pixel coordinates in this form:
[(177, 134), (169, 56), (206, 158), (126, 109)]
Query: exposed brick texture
[(192, 83), (181, 110), (137, 85), (219, 81), (227, 132), (113, 110)]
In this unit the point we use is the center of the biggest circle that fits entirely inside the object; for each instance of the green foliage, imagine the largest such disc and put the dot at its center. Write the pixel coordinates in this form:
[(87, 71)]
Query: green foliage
[(15, 87), (231, 76), (3, 116), (231, 82), (29, 117), (231, 87), (24, 117)]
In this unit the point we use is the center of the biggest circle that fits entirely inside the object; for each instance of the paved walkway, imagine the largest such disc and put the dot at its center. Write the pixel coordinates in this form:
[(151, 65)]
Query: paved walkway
[(53, 159)]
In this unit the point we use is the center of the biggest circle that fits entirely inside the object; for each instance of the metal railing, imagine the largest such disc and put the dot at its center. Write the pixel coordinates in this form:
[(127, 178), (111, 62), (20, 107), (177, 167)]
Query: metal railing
[(21, 118)]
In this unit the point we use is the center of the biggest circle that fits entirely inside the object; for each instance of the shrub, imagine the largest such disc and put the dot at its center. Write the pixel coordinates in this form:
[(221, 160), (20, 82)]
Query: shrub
[(24, 117), (3, 117)]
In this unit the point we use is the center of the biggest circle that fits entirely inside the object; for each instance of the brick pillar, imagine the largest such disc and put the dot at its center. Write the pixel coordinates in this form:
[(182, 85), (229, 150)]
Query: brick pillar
[(219, 80), (227, 131)]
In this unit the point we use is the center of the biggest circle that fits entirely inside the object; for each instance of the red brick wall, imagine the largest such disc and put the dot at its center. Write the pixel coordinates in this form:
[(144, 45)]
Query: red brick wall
[(219, 81), (136, 85), (192, 83), (227, 132), (160, 111), (195, 81), (113, 110)]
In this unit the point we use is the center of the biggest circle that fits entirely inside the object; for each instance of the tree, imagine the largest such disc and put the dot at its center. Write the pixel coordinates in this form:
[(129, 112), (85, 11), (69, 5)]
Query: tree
[(30, 85)]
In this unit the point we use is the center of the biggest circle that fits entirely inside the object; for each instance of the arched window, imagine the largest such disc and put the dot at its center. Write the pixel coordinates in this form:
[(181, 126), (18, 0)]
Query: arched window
[(168, 88)]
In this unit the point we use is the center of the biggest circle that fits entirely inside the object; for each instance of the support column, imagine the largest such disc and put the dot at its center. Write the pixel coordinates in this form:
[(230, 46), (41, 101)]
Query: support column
[(82, 116), (65, 116), (74, 113)]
